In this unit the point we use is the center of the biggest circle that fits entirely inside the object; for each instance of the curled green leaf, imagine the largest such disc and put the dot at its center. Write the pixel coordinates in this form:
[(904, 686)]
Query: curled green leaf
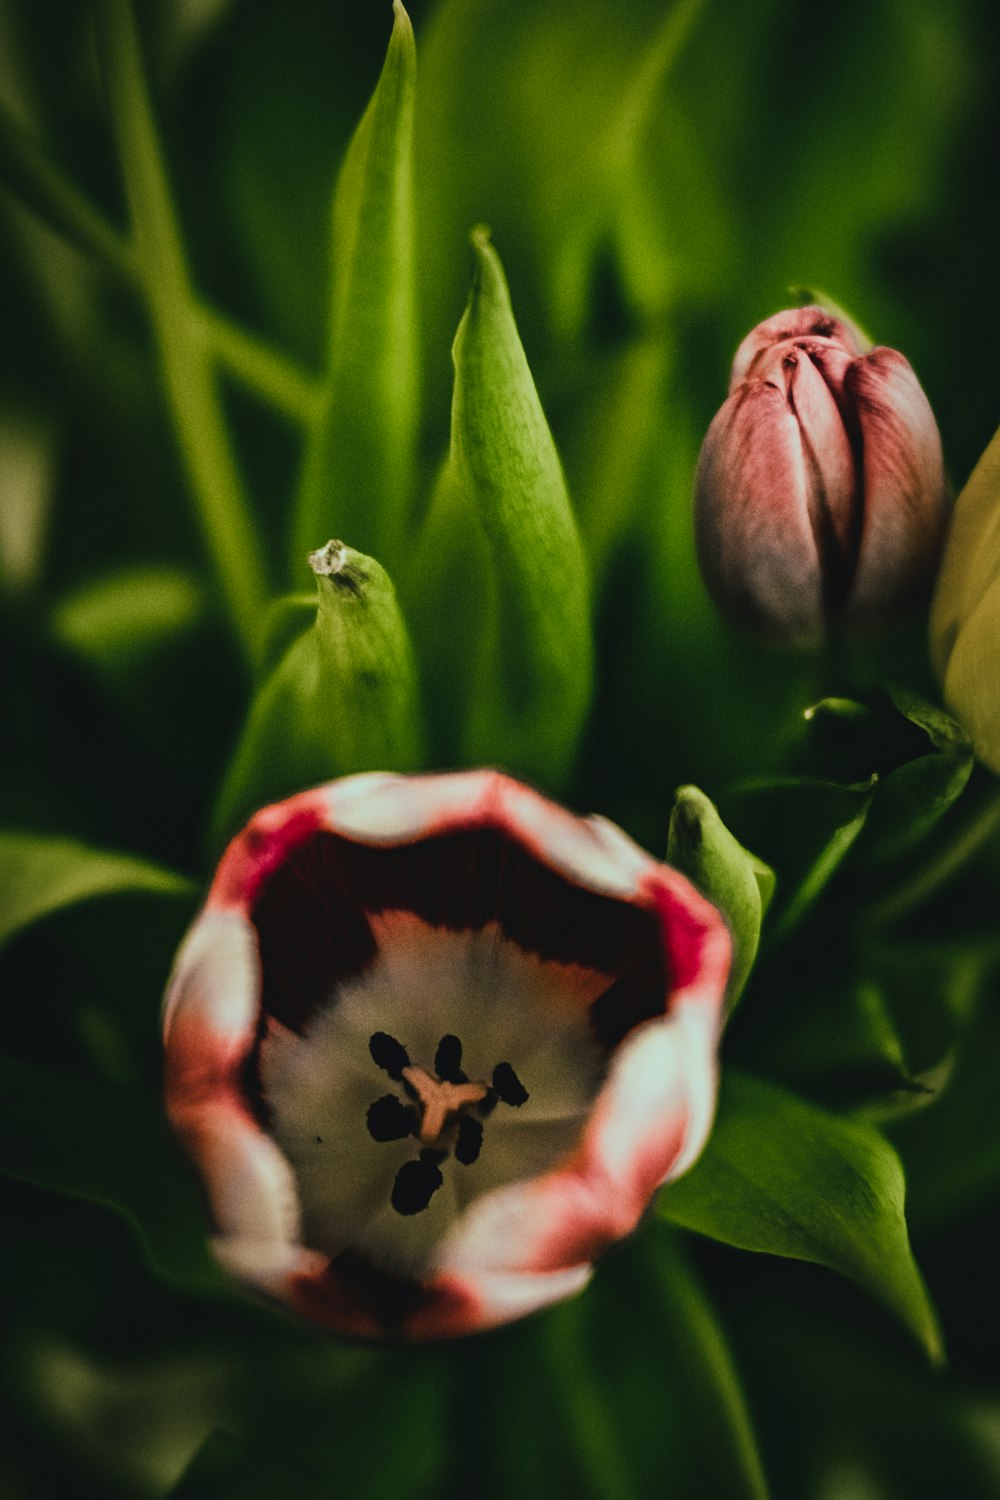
[(736, 881), (343, 697)]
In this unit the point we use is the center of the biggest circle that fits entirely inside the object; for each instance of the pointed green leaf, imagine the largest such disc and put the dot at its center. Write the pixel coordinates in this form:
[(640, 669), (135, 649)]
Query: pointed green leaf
[(288, 618), (740, 885), (779, 1175), (646, 1325), (343, 698), (912, 798), (445, 584), (535, 687), (40, 875), (613, 451), (804, 828), (112, 1146), (359, 470)]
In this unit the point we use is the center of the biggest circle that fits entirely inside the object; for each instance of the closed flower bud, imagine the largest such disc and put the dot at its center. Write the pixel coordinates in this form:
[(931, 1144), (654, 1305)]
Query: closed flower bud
[(434, 1043), (965, 619), (820, 494)]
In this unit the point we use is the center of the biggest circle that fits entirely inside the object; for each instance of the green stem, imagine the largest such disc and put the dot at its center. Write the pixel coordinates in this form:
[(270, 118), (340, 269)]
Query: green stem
[(259, 367), (637, 106), (947, 862), (27, 171), (188, 374)]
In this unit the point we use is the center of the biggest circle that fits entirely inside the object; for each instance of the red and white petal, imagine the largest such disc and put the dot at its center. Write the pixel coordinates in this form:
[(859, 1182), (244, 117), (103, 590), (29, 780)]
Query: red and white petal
[(263, 845), (649, 1122), (695, 939), (833, 490), (251, 1186), (906, 496), (210, 1024), (400, 810), (211, 1006), (476, 1302)]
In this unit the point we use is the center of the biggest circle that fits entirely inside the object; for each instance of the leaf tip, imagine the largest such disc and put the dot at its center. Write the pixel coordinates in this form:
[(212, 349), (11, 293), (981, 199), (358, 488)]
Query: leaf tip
[(402, 28)]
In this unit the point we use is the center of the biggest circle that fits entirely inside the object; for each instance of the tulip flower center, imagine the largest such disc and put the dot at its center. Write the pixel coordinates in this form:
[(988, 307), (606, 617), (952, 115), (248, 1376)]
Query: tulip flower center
[(441, 1102), (441, 1118), (491, 1065)]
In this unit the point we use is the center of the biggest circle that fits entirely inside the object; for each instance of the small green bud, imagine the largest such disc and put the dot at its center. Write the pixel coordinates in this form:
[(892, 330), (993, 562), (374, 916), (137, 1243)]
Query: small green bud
[(342, 698), (700, 845)]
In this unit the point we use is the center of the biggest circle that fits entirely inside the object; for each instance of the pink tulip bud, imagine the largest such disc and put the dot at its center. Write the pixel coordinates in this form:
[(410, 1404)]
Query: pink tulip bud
[(820, 494)]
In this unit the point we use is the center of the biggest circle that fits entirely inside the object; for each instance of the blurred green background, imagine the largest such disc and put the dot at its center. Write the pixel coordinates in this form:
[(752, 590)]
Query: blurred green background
[(656, 178)]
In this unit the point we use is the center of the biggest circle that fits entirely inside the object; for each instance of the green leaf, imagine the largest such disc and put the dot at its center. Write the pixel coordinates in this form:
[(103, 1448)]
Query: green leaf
[(383, 1432), (446, 581), (740, 885), (111, 1146), (613, 452), (804, 828), (40, 875), (115, 622), (343, 698), (288, 618), (359, 471), (535, 686), (781, 1176), (952, 1152), (912, 798), (646, 1325)]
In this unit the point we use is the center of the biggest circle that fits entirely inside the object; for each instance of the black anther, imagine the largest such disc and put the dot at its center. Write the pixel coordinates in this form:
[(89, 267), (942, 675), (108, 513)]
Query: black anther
[(508, 1085), (415, 1185), (470, 1140), (389, 1119), (448, 1060), (389, 1054)]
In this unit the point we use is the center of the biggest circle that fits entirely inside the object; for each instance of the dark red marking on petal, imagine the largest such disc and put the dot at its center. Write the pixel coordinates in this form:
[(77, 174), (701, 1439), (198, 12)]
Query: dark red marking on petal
[(262, 847), (353, 1297), (638, 995), (312, 931), (684, 933), (312, 919)]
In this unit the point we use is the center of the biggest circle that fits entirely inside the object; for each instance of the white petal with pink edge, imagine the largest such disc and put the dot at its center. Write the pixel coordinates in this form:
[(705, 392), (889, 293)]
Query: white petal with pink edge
[(386, 809), (251, 1185), (216, 981), (650, 1121), (497, 1298)]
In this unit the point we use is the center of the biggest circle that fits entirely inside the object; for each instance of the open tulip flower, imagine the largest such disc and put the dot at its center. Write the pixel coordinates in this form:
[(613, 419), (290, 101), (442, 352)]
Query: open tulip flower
[(433, 1043), (820, 496)]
